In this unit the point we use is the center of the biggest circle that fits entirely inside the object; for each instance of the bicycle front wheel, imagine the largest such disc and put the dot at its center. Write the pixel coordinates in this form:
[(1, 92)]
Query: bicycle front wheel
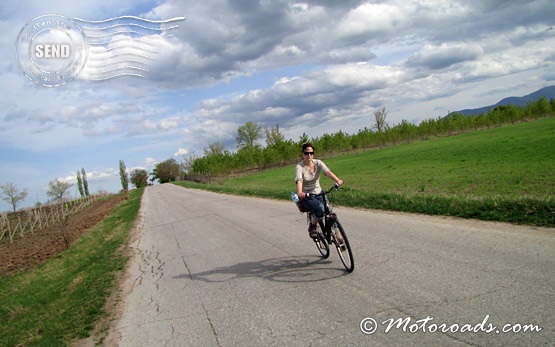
[(344, 250), (321, 243)]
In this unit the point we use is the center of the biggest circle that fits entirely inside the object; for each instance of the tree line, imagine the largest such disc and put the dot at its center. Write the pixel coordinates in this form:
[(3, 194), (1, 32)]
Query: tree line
[(279, 151), (250, 155), (60, 190)]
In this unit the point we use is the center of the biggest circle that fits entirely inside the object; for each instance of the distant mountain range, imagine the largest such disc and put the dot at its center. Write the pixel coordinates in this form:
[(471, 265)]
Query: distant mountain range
[(547, 92)]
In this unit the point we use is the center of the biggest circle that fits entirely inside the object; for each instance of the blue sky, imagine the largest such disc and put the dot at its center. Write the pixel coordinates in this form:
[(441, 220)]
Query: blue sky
[(310, 66)]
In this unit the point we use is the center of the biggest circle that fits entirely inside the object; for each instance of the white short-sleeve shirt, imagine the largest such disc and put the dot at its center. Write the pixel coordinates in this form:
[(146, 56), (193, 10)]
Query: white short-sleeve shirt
[(310, 180)]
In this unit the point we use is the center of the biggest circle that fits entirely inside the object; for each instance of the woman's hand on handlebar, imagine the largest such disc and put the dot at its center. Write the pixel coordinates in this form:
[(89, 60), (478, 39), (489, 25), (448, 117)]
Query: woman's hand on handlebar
[(302, 195)]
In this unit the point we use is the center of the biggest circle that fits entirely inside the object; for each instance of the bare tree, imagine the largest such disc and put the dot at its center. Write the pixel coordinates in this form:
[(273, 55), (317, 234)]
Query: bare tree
[(273, 136), (188, 162), (58, 190), (214, 148), (248, 134), (12, 195), (379, 118)]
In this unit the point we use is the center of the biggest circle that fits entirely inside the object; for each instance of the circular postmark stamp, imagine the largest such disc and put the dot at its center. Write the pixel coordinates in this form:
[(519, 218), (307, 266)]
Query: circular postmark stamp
[(51, 50)]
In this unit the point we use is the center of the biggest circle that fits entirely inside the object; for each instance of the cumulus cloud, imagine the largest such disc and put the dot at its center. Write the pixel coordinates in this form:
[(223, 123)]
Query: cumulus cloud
[(370, 19), (92, 176), (181, 152), (149, 162), (221, 41), (338, 87), (439, 57), (312, 67)]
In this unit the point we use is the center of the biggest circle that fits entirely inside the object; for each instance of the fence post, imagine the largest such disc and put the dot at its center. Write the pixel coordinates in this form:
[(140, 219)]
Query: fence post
[(37, 219), (10, 227), (32, 220), (24, 226), (3, 225), (39, 213), (19, 226), (10, 233)]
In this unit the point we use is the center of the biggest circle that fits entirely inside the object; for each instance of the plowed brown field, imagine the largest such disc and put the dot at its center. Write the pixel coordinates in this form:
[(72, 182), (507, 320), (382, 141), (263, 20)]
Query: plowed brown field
[(32, 250)]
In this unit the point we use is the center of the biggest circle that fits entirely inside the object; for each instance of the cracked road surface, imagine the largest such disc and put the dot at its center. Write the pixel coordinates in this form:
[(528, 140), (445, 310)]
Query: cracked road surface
[(221, 270)]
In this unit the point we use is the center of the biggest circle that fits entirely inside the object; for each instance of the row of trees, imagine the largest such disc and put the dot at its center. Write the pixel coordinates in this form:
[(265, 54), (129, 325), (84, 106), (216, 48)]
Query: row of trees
[(60, 190), (279, 151), (166, 171), (137, 177)]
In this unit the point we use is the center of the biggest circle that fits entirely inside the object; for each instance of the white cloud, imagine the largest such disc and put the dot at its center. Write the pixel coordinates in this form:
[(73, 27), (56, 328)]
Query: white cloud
[(180, 152), (150, 162), (447, 54), (370, 19), (311, 68)]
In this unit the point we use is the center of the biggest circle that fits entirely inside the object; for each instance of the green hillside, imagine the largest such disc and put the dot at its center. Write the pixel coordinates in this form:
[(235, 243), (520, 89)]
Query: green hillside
[(505, 173)]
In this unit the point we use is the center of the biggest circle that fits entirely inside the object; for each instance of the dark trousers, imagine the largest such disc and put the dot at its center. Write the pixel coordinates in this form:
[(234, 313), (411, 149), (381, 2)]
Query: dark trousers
[(315, 205)]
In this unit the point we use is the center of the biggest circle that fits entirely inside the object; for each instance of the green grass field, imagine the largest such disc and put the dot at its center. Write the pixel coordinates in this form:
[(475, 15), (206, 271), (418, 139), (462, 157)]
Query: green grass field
[(505, 174), (61, 300)]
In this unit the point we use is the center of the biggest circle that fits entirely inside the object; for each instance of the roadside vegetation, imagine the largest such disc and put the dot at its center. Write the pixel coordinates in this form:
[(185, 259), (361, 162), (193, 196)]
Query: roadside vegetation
[(217, 162), (505, 173), (62, 299), (499, 166)]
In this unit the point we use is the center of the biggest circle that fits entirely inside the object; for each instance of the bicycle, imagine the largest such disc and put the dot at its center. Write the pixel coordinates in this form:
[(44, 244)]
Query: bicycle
[(327, 231)]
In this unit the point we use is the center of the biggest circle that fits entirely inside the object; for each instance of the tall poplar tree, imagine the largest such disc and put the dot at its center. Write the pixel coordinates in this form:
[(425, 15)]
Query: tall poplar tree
[(80, 184), (124, 177), (85, 182)]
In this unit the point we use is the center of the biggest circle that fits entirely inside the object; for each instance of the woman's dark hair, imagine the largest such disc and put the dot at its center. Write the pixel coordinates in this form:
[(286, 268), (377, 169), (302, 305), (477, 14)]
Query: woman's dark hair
[(306, 145)]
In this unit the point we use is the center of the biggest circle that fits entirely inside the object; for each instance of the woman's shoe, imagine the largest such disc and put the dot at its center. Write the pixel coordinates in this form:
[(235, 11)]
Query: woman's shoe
[(312, 230)]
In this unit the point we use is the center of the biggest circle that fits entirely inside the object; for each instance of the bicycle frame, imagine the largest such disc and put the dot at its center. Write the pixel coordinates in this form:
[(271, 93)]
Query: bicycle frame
[(329, 236), (329, 216), (328, 208)]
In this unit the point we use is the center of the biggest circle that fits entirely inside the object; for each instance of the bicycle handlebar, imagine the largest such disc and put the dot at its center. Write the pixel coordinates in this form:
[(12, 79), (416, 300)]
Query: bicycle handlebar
[(324, 192)]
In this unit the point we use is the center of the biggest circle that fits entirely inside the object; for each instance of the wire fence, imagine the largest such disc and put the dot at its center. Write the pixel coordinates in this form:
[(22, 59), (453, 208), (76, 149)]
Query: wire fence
[(29, 221)]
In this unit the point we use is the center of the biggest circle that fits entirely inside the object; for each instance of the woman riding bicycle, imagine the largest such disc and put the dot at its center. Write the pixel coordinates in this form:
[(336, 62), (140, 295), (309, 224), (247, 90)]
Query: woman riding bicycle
[(307, 179)]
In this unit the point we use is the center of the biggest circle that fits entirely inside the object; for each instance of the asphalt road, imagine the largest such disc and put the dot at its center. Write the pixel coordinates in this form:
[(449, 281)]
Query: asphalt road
[(221, 270)]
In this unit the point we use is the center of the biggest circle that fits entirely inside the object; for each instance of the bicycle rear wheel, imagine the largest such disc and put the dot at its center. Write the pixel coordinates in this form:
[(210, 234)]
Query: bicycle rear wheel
[(321, 243), (344, 251)]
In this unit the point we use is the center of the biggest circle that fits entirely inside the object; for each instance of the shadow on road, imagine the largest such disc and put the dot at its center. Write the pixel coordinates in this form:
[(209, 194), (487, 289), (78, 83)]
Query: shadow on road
[(286, 269)]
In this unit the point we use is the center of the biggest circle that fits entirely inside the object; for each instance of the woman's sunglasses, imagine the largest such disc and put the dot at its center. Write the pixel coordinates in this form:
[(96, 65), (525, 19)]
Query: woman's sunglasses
[(308, 153)]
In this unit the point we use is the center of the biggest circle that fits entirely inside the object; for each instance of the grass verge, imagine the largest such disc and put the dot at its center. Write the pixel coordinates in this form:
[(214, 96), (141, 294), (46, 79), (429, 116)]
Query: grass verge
[(528, 211), (502, 174), (63, 298)]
